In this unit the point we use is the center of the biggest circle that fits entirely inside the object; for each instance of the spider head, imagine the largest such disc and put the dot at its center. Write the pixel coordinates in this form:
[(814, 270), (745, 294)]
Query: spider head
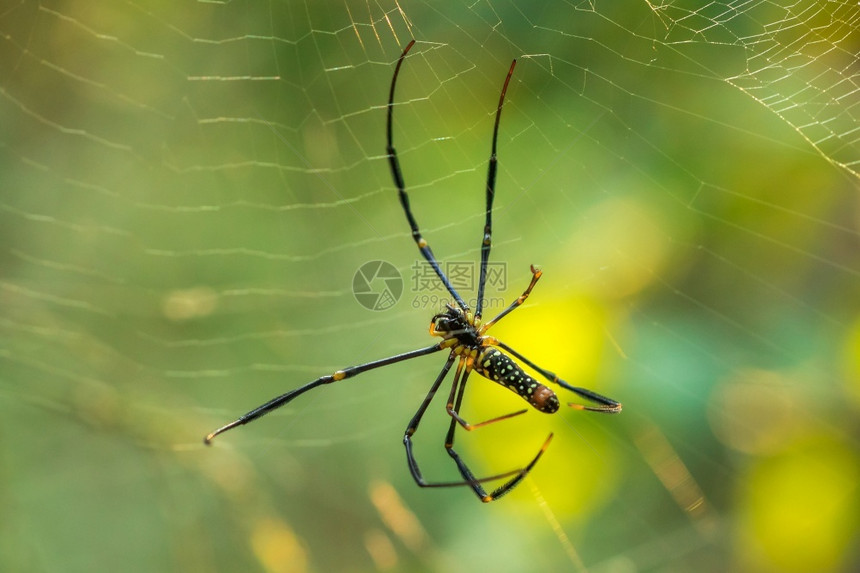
[(454, 323)]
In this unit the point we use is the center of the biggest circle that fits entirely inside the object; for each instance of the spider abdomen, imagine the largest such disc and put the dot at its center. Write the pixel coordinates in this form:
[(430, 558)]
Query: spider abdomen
[(491, 363)]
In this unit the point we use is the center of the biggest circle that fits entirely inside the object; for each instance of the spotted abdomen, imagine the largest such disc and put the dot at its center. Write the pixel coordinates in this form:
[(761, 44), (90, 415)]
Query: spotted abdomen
[(491, 363)]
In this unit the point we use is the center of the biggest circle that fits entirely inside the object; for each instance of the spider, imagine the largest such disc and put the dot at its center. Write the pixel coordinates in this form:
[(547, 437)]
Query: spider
[(464, 336)]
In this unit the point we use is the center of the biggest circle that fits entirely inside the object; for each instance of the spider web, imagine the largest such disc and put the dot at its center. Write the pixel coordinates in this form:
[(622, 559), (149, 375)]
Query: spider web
[(188, 190)]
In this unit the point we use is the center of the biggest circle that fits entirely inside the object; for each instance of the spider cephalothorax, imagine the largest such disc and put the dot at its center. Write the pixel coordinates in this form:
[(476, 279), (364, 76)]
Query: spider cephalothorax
[(457, 328), (464, 337)]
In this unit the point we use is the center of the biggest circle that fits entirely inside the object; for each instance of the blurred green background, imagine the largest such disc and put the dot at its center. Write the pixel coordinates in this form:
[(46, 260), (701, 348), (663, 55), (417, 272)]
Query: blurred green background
[(186, 191)]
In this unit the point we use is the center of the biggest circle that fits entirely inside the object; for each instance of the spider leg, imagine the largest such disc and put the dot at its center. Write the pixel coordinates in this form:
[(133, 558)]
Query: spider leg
[(605, 405), (467, 474), (454, 407), (536, 274), (348, 372), (491, 193), (397, 174), (505, 487), (413, 427), (470, 479)]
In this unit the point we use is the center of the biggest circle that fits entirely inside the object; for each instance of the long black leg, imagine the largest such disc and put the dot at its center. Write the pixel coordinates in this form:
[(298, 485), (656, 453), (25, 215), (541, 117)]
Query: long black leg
[(423, 246), (467, 474), (475, 483), (607, 405), (348, 372), (416, 419), (453, 406), (536, 274), (413, 427), (491, 193)]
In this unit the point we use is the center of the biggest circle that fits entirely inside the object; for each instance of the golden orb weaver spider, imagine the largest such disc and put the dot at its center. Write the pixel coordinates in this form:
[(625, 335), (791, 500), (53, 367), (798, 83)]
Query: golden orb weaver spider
[(463, 335)]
